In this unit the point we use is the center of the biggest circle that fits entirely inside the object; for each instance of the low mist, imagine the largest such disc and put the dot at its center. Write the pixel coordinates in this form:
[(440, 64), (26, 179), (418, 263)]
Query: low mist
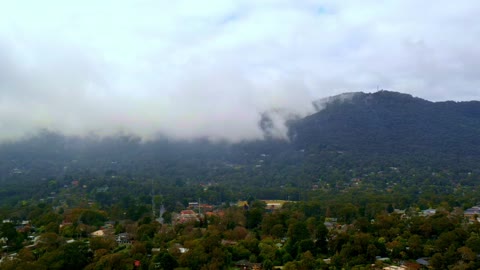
[(212, 69)]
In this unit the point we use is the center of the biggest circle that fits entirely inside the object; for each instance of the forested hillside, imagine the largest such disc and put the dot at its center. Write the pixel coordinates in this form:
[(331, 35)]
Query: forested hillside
[(362, 132), (396, 128), (364, 165)]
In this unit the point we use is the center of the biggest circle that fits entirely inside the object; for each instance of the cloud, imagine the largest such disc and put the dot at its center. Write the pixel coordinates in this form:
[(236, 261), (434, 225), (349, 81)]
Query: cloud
[(192, 69)]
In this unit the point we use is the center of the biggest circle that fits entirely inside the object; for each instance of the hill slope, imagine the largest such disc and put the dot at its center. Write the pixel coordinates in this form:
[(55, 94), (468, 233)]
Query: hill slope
[(361, 132), (388, 125)]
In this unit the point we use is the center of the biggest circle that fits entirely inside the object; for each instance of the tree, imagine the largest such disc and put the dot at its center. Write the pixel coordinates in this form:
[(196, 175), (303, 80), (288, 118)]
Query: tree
[(50, 241), (53, 260), (146, 231), (112, 261), (92, 217), (76, 255), (321, 243), (474, 243), (307, 261), (195, 258), (254, 217), (267, 250), (348, 213), (390, 208), (239, 252), (290, 266), (267, 265), (297, 232), (14, 239), (362, 224), (97, 243), (165, 261), (305, 245), (415, 246), (466, 254), (167, 217), (26, 255), (278, 231)]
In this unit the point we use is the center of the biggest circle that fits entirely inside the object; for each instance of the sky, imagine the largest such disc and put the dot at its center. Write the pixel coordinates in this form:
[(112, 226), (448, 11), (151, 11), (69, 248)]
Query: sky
[(210, 68)]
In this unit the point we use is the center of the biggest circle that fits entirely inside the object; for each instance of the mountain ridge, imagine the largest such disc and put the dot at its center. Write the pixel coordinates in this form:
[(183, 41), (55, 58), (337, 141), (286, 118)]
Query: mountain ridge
[(364, 130), (394, 121)]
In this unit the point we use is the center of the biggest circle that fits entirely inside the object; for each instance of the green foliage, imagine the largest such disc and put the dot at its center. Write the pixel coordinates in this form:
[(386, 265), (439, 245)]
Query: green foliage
[(92, 217), (473, 242), (50, 242), (267, 265), (146, 232), (167, 217), (76, 255), (115, 261), (53, 260), (355, 162), (164, 261), (97, 243), (14, 239)]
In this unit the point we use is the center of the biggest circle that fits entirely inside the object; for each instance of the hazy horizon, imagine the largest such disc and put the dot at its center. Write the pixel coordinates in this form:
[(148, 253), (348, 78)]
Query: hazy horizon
[(194, 69)]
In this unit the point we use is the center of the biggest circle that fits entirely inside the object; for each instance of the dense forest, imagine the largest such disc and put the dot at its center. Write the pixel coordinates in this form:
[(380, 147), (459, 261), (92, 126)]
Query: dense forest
[(356, 176)]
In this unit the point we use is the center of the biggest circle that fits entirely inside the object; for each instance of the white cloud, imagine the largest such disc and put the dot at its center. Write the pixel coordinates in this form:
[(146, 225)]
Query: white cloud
[(209, 68)]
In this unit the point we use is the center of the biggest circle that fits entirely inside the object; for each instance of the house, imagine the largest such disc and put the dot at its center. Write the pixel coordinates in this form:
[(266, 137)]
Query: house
[(99, 233), (23, 228), (382, 259), (186, 216), (102, 189), (428, 212), (180, 248), (123, 238), (393, 267), (273, 205), (244, 264), (203, 207), (217, 213), (225, 242), (423, 261), (8, 257), (242, 204), (65, 223), (269, 204), (472, 213), (331, 223), (193, 205), (412, 266), (206, 207), (108, 225)]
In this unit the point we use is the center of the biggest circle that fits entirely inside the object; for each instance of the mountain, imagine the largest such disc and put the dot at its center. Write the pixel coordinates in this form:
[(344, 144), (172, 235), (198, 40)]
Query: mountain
[(389, 125), (354, 132)]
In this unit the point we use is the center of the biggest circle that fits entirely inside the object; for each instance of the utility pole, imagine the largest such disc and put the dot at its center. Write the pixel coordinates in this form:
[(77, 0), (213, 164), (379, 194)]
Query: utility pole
[(153, 203), (199, 212)]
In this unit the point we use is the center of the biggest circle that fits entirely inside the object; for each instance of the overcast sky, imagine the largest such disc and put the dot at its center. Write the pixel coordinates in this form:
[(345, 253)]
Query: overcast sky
[(188, 69)]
